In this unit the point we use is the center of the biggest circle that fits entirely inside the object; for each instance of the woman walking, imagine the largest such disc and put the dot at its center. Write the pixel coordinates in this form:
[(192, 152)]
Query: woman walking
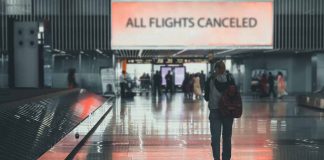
[(196, 85), (216, 85), (281, 85)]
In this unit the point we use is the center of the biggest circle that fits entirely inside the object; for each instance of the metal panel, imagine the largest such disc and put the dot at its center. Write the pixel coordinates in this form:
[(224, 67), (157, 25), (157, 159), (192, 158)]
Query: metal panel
[(26, 55), (64, 24), (101, 24), (2, 10), (85, 24), (37, 125), (299, 24), (321, 24)]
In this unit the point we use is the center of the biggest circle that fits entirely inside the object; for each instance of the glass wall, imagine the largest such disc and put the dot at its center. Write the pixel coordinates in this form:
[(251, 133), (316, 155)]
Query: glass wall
[(196, 67), (137, 70)]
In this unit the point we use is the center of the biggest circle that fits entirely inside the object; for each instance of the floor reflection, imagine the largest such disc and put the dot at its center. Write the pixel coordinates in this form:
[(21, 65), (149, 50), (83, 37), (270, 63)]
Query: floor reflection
[(169, 127)]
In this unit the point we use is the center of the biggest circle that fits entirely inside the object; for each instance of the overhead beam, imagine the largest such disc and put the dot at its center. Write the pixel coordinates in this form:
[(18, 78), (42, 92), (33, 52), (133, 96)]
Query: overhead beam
[(140, 53), (179, 52)]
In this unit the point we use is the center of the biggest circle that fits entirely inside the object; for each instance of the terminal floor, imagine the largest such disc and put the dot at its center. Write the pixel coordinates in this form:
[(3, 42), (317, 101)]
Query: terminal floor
[(171, 128)]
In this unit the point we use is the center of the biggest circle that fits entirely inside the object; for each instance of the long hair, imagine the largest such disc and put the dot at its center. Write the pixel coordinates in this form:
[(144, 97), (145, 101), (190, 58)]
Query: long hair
[(221, 66)]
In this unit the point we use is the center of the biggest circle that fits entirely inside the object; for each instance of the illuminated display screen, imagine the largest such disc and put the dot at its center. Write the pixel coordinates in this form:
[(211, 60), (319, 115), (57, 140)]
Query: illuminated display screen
[(164, 72), (179, 73), (148, 25)]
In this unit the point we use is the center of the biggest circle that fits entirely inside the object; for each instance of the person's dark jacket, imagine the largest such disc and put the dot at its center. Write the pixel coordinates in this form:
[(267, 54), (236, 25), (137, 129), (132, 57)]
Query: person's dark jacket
[(168, 78), (71, 81), (157, 80), (202, 79), (271, 81)]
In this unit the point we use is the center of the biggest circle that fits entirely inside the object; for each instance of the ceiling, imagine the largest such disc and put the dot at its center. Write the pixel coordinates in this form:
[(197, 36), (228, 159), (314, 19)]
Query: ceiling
[(163, 53), (229, 53), (149, 54)]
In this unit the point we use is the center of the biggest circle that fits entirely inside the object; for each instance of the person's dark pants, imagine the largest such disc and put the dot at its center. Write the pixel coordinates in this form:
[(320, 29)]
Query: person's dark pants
[(202, 86), (122, 89), (154, 90), (186, 94), (271, 90), (216, 124), (157, 88), (168, 88)]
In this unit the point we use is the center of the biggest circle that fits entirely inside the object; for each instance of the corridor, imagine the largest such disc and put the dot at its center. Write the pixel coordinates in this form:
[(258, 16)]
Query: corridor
[(171, 128)]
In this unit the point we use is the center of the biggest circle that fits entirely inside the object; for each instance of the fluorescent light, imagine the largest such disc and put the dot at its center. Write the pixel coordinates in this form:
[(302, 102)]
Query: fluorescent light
[(99, 51), (218, 53), (140, 53), (41, 28), (179, 52)]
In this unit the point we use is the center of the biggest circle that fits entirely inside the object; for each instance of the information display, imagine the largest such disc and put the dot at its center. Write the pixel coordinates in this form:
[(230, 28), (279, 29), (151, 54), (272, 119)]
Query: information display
[(164, 72), (179, 73), (108, 81), (152, 25)]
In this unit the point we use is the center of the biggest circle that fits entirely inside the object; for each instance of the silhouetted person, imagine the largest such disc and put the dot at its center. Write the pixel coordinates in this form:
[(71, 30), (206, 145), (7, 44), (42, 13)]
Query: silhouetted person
[(263, 85), (157, 78), (147, 80), (71, 79), (271, 82), (109, 89), (168, 79), (185, 86), (202, 77), (216, 85), (142, 81), (123, 83), (190, 86)]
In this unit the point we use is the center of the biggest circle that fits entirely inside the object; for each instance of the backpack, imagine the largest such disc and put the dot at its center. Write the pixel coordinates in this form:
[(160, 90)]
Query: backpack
[(230, 103)]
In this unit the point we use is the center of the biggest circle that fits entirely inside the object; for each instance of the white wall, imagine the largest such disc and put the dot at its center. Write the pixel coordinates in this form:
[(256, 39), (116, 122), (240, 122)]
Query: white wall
[(138, 70), (195, 67), (157, 67)]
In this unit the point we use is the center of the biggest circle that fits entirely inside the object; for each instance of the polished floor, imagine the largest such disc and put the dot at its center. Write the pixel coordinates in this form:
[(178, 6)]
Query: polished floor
[(171, 128)]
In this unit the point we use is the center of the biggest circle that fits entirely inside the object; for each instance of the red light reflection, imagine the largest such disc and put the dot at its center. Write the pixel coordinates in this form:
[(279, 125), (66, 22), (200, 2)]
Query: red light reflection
[(87, 105)]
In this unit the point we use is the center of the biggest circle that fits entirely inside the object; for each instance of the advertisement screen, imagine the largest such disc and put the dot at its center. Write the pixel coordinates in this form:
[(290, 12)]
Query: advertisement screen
[(179, 73), (108, 80), (156, 25), (164, 72)]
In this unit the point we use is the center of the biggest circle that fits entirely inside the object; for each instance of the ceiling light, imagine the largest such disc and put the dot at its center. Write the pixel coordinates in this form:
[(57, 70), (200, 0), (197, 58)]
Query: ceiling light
[(99, 51)]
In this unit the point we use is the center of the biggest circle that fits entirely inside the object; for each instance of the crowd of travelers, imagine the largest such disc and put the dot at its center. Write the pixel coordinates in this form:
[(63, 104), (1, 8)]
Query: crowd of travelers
[(266, 85), (263, 85), (192, 85)]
